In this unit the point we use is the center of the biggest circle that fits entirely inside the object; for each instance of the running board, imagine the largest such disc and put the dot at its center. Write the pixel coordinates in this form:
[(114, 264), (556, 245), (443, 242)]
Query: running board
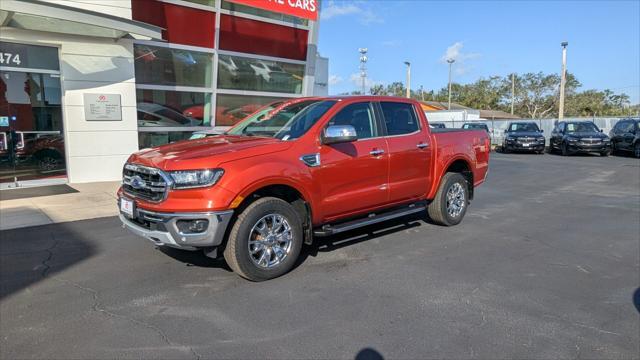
[(373, 218)]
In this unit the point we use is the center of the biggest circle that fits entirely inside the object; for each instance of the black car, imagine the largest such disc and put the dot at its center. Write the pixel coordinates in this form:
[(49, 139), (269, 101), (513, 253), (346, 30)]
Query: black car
[(523, 136), (625, 136), (476, 126), (570, 137)]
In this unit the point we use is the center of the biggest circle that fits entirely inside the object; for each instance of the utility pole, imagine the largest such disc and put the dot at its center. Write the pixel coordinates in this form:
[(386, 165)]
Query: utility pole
[(408, 78), (363, 68), (450, 61), (421, 93), (563, 79), (513, 90)]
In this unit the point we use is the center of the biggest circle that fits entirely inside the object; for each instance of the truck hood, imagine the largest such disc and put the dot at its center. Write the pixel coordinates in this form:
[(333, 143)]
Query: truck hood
[(206, 153)]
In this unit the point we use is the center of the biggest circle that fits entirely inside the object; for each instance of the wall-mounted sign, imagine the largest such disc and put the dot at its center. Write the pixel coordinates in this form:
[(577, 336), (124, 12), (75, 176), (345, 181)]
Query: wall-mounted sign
[(102, 107), (23, 56), (307, 9)]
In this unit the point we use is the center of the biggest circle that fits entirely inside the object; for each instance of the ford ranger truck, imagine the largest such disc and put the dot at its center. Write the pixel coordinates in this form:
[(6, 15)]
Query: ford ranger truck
[(296, 170)]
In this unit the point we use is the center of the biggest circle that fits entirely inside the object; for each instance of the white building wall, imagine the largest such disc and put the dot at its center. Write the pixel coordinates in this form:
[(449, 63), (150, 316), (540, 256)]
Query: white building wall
[(95, 150), (453, 115), (120, 8)]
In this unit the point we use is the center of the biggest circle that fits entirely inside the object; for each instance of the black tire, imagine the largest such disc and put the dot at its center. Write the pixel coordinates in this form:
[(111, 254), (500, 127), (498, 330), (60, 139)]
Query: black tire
[(48, 160), (605, 153), (636, 149), (564, 149), (237, 253), (438, 207), (614, 151), (505, 149)]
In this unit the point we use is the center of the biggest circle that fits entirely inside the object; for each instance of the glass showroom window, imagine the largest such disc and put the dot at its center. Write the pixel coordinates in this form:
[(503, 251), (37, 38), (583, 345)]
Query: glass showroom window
[(263, 13), (239, 73), (232, 108), (150, 139), (173, 67), (173, 108)]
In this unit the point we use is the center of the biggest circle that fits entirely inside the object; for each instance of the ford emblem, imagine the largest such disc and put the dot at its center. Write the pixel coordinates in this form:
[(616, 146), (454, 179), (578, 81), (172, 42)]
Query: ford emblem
[(137, 182)]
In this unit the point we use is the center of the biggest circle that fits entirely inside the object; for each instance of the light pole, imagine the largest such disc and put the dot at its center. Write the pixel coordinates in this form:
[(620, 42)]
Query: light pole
[(450, 61), (363, 68), (513, 91), (408, 78), (563, 79)]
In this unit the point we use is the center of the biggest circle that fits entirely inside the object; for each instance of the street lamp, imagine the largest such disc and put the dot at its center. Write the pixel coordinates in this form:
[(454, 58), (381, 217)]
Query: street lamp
[(408, 78), (563, 79), (450, 61)]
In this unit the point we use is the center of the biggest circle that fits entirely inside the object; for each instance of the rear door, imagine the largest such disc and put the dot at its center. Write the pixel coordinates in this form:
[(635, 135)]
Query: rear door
[(353, 176), (410, 151), (627, 135)]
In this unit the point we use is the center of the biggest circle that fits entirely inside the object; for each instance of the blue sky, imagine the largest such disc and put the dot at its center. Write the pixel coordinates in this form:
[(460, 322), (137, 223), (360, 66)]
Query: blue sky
[(488, 38)]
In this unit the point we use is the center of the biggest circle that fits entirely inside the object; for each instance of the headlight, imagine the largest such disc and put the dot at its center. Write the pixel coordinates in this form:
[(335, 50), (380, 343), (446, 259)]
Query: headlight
[(188, 179), (606, 140), (541, 139), (571, 139)]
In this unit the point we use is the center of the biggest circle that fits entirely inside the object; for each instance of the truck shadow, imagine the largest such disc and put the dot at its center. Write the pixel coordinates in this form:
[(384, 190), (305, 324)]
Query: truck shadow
[(356, 236), (320, 245)]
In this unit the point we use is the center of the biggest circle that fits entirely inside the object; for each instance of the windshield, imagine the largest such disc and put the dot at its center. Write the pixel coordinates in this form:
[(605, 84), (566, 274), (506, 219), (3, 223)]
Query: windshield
[(582, 127), (521, 127), (284, 121)]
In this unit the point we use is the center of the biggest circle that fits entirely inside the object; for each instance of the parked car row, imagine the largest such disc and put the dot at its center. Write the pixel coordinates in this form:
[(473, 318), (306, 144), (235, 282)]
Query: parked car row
[(574, 137)]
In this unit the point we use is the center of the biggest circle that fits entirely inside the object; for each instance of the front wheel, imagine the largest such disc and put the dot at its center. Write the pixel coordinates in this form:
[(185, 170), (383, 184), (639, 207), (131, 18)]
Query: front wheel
[(605, 153), (564, 148), (450, 203), (636, 149), (265, 240)]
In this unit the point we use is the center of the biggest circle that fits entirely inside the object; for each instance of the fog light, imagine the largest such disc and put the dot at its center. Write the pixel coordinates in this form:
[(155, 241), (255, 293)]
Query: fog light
[(192, 226)]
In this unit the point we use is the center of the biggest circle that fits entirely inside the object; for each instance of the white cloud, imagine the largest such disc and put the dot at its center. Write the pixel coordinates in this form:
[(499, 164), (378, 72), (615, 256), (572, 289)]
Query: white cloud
[(391, 43), (335, 79), (460, 66), (356, 80), (334, 9)]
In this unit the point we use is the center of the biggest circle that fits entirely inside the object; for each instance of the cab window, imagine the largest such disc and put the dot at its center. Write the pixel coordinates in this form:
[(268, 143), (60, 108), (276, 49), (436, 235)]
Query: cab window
[(399, 118), (358, 115)]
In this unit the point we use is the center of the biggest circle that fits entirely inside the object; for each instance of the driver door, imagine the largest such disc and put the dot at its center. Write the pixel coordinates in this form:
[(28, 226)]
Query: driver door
[(353, 176)]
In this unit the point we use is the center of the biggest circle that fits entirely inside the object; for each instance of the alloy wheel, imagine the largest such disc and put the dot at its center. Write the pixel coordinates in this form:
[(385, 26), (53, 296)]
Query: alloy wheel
[(456, 200), (270, 241)]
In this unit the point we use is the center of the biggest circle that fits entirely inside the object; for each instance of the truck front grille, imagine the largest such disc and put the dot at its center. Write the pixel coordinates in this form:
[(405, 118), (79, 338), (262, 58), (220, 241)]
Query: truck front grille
[(144, 182)]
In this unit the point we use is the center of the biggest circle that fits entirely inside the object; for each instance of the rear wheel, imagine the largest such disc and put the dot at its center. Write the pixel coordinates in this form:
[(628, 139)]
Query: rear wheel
[(450, 203), (265, 240)]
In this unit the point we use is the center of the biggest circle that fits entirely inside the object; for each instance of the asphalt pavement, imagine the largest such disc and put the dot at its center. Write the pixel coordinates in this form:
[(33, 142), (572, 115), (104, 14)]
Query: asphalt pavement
[(545, 265)]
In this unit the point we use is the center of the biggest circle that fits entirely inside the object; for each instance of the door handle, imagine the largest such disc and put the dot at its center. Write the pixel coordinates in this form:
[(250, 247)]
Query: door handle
[(422, 145), (376, 152)]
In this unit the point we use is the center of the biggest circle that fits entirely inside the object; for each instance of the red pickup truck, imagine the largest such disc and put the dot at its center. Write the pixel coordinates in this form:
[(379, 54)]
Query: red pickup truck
[(300, 169)]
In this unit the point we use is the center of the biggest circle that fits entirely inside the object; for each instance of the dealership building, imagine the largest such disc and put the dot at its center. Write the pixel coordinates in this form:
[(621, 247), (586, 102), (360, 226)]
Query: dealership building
[(83, 84)]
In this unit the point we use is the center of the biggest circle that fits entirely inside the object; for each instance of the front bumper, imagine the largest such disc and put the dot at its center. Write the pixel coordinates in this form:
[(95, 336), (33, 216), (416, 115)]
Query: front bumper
[(518, 146), (161, 228), (589, 148)]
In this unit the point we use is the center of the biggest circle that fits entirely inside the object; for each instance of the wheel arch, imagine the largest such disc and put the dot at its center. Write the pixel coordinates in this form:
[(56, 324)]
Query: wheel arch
[(460, 165), (284, 190)]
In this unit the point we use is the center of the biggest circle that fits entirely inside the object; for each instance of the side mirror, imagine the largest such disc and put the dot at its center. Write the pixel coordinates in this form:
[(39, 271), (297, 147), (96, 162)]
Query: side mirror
[(336, 134), (541, 131), (506, 131), (600, 130)]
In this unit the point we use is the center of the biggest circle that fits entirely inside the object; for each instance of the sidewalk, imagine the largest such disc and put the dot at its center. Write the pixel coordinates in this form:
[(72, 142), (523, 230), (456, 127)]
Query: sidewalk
[(93, 200)]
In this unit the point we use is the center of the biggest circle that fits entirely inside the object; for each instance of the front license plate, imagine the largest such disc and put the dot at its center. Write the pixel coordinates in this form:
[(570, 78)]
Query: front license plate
[(525, 145), (126, 206)]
